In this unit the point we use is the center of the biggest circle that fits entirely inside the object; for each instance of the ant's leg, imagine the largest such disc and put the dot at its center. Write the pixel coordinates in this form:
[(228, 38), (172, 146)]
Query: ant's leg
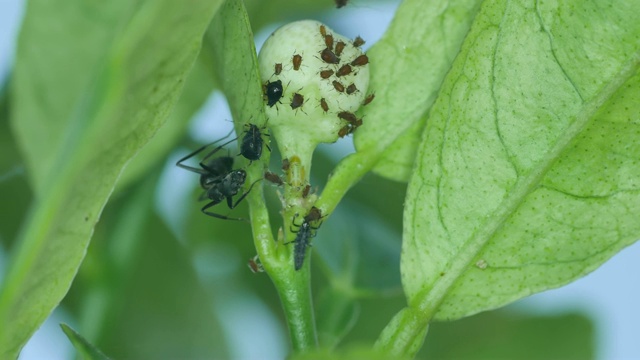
[(217, 149), (212, 214), (243, 195), (197, 170)]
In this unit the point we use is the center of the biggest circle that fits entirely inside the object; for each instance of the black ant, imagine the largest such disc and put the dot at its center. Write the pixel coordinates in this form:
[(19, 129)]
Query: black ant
[(304, 234), (218, 179)]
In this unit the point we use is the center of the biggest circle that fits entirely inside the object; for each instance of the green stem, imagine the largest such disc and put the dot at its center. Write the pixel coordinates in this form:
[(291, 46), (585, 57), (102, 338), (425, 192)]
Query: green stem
[(292, 286), (295, 294), (347, 173)]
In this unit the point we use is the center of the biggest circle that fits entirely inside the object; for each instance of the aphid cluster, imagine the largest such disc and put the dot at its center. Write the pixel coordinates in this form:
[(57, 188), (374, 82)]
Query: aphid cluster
[(336, 70), (325, 76), (219, 180)]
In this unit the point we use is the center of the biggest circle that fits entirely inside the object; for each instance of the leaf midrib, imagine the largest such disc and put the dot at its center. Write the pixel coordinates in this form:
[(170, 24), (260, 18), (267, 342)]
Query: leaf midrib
[(428, 301)]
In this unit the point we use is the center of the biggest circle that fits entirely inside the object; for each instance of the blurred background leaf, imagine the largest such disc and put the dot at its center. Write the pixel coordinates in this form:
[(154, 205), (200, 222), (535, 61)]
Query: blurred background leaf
[(78, 133), (505, 334), (84, 348)]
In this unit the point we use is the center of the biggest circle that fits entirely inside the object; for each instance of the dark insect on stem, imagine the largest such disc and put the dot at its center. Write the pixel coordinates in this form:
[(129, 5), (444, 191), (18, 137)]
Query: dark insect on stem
[(360, 60), (351, 89), (325, 74), (341, 3), (218, 179), (328, 40), (368, 99), (296, 101), (358, 41), (314, 214), (297, 60), (273, 92), (323, 31), (323, 105), (251, 146), (285, 164), (338, 86), (273, 178), (339, 47), (344, 70), (278, 69), (255, 265), (305, 191), (304, 234), (329, 57)]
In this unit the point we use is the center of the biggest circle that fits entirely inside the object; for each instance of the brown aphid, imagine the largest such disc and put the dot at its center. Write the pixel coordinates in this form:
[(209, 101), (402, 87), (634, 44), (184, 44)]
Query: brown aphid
[(339, 47), (344, 131), (358, 41), (368, 99), (360, 60), (328, 40), (325, 74), (341, 3), (338, 86), (344, 70), (297, 60), (351, 89), (323, 31), (254, 265), (305, 191), (350, 117), (273, 178), (296, 101), (323, 105), (285, 164), (314, 214), (329, 57), (278, 69)]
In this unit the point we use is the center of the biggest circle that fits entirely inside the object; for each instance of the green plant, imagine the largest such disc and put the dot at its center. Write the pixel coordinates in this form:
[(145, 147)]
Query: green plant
[(514, 124)]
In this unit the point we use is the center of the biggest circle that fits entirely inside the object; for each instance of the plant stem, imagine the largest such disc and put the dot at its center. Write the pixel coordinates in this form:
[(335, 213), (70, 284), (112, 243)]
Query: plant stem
[(295, 294), (293, 286)]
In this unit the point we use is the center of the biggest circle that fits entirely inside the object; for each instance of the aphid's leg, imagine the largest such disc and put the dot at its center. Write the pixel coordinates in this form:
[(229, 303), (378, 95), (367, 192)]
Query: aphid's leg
[(224, 217), (241, 197)]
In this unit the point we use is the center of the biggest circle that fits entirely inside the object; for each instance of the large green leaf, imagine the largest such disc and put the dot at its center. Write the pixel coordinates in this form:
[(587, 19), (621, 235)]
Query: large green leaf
[(79, 118), (407, 68), (527, 177)]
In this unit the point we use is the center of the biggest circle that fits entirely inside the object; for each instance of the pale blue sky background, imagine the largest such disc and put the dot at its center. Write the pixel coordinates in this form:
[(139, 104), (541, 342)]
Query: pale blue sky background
[(610, 295)]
